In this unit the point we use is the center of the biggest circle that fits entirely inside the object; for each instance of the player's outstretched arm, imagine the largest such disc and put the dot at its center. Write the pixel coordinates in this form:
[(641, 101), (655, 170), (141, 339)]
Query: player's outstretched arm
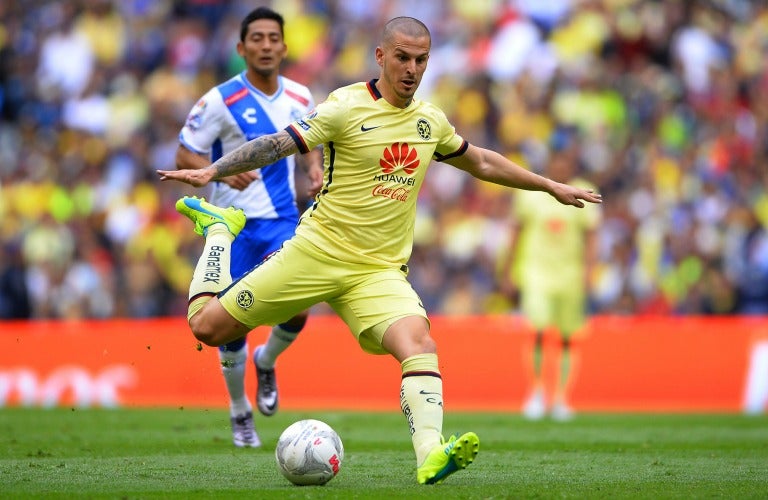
[(257, 153), (490, 166), (187, 159)]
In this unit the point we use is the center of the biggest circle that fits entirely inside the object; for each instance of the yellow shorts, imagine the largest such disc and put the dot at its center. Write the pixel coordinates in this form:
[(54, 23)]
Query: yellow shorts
[(368, 298), (562, 309)]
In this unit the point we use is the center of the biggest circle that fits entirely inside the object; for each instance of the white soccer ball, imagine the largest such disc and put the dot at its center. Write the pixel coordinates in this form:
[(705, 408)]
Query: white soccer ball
[(309, 452)]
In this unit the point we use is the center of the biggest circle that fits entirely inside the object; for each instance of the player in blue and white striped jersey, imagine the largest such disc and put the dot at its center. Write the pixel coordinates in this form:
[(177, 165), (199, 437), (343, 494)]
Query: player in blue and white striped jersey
[(256, 102)]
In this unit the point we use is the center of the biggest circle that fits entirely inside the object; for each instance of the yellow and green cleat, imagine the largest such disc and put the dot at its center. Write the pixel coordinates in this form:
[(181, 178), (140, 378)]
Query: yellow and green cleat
[(447, 458), (205, 214)]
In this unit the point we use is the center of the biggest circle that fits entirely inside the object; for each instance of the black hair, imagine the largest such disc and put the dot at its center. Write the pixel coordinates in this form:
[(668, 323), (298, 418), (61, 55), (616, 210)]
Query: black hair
[(260, 13)]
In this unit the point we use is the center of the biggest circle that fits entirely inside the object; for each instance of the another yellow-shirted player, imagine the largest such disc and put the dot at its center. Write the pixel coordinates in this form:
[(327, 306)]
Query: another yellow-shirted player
[(552, 254), (352, 246)]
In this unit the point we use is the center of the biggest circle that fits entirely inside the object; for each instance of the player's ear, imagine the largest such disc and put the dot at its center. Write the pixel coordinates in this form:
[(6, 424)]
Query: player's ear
[(379, 56), (241, 49)]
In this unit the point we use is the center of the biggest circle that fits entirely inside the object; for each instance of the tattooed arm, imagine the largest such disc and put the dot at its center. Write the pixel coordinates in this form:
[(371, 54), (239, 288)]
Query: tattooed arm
[(257, 153)]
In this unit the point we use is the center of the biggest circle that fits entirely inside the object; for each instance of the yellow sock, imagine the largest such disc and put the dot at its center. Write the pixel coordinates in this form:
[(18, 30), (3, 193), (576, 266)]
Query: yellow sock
[(212, 271), (421, 399)]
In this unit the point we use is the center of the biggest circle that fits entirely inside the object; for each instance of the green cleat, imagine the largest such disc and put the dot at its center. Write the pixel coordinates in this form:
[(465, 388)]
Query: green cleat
[(447, 458), (204, 215)]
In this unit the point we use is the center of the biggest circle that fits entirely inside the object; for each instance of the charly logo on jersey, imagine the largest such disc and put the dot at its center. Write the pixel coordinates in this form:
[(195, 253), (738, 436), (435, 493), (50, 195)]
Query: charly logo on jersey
[(424, 129), (195, 117), (397, 158), (249, 115), (245, 299)]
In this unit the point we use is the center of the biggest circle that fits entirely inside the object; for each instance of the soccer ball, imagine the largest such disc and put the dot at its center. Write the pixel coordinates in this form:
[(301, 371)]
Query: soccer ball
[(309, 452)]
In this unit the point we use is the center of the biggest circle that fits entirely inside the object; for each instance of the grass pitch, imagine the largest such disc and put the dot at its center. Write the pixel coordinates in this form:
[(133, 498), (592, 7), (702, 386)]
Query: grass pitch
[(183, 453)]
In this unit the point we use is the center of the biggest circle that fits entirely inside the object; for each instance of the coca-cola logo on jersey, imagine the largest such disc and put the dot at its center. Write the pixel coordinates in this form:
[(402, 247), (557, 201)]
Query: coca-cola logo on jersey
[(393, 193)]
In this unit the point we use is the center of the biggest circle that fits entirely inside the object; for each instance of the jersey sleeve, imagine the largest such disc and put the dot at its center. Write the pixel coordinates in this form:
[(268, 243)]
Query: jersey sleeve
[(320, 125), (203, 124), (450, 144)]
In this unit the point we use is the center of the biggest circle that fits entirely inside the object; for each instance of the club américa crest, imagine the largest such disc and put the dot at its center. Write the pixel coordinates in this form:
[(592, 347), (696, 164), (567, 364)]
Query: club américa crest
[(245, 299), (423, 128)]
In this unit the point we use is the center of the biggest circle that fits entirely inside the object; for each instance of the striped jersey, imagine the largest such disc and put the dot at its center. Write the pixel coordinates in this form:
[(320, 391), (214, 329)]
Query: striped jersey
[(235, 112)]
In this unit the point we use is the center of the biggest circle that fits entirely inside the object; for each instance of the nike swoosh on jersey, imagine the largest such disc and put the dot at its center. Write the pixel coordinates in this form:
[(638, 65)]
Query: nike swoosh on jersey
[(363, 128)]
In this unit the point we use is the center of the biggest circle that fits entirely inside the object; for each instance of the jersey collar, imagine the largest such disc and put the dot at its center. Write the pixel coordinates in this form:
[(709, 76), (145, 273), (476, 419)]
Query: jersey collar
[(269, 98), (373, 90)]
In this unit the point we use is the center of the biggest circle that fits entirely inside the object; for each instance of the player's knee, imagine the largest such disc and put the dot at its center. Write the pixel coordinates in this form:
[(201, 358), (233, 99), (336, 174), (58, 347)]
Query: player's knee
[(422, 337), (423, 343), (203, 332), (428, 345), (408, 337), (206, 337)]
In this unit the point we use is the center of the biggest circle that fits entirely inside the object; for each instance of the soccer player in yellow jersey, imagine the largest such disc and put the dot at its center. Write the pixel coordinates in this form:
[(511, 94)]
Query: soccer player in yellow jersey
[(352, 245), (553, 252)]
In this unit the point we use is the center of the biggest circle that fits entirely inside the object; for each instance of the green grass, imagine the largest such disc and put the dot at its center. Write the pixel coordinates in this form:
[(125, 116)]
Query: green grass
[(182, 453)]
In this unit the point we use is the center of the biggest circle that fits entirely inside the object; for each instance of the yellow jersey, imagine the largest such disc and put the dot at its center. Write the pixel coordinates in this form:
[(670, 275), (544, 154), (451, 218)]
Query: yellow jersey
[(551, 250), (375, 156)]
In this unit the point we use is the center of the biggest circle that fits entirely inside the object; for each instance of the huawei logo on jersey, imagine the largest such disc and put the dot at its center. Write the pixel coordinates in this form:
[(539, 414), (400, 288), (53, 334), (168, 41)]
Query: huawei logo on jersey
[(399, 155)]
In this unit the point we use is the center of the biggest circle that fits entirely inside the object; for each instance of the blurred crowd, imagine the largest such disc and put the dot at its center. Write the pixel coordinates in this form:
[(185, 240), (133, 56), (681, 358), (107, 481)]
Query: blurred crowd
[(663, 104)]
